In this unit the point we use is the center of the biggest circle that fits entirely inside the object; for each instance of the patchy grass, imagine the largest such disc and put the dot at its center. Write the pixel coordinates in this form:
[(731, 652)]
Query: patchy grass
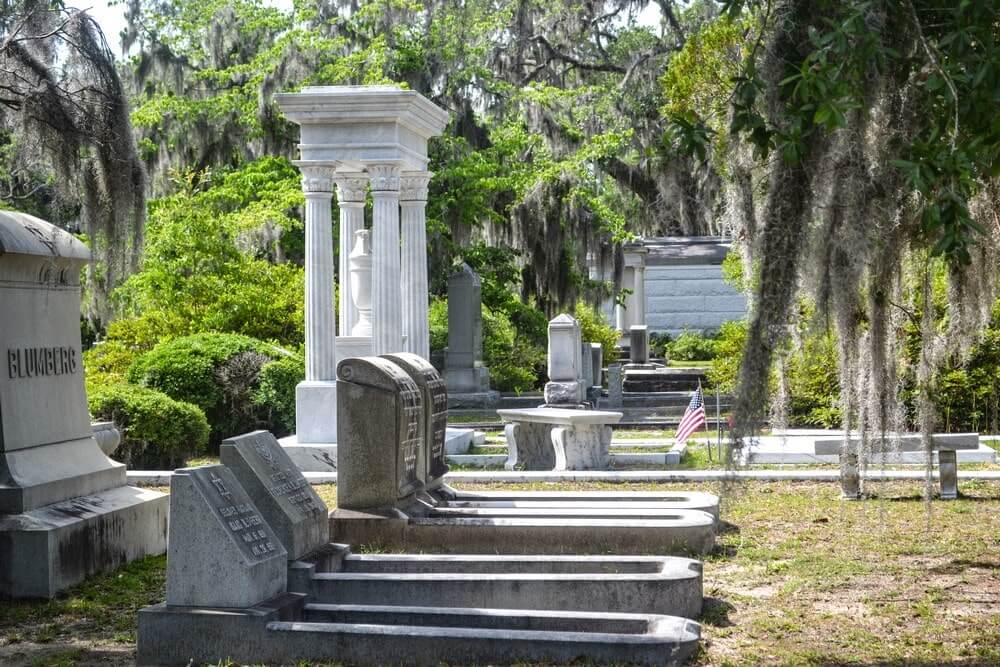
[(799, 578)]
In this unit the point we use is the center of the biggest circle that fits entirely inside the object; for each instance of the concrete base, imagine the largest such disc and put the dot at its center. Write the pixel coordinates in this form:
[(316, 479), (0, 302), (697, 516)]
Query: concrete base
[(457, 440), (316, 412), (478, 399), (798, 447), (682, 532), (625, 501), (56, 546), (287, 630), (310, 457)]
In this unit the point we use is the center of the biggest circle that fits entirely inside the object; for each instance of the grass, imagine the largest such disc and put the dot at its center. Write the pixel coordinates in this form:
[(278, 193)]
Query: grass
[(799, 577)]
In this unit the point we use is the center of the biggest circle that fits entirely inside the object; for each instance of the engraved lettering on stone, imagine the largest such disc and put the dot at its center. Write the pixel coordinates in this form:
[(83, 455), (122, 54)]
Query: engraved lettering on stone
[(30, 362)]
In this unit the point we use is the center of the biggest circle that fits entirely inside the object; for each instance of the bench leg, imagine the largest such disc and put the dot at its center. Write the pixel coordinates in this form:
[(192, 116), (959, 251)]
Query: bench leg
[(850, 481), (559, 436), (510, 431), (948, 472)]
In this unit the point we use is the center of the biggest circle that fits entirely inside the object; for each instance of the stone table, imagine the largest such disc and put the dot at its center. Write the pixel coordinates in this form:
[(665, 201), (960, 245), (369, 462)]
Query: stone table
[(558, 438)]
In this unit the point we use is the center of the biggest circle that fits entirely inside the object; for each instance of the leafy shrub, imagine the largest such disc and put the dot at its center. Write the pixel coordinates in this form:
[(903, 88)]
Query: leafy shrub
[(813, 383), (595, 329), (275, 393), (158, 432), (969, 393), (690, 346), (216, 372), (729, 344)]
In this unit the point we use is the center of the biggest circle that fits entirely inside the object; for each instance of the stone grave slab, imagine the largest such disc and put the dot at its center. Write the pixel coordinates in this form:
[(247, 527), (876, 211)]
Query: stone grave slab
[(434, 395), (378, 457), (222, 553), (280, 491)]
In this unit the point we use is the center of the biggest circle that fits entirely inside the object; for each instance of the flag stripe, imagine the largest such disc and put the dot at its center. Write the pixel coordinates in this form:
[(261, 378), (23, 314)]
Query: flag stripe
[(694, 417)]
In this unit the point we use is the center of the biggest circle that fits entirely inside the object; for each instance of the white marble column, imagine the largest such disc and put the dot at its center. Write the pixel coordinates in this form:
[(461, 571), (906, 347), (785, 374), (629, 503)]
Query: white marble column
[(351, 189), (387, 325), (316, 398), (413, 204)]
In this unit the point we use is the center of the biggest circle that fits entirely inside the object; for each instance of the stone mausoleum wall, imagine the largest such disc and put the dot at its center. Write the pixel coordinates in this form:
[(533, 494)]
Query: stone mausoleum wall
[(684, 286)]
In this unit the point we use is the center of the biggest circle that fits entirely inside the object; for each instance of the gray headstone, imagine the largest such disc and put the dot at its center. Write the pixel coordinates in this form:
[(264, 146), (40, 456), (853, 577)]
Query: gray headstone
[(434, 395), (47, 448), (597, 363), (615, 385), (639, 344), (380, 431), (222, 553), (586, 365), (65, 509), (464, 369), (280, 491), (565, 386)]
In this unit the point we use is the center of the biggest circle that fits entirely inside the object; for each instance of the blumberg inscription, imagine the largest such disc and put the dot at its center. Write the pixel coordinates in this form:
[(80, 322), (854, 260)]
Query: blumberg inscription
[(242, 520), (27, 362)]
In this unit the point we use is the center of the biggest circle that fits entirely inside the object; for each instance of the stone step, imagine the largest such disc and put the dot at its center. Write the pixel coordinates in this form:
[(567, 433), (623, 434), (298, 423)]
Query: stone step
[(693, 500), (671, 458), (671, 586), (379, 635)]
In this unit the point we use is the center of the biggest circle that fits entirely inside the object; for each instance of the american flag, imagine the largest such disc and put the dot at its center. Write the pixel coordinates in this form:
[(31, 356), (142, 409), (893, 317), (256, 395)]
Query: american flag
[(693, 419)]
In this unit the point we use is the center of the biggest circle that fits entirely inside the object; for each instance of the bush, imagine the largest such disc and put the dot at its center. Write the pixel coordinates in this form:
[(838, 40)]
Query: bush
[(595, 329), (690, 346), (275, 393), (729, 344), (158, 433), (216, 372), (969, 394)]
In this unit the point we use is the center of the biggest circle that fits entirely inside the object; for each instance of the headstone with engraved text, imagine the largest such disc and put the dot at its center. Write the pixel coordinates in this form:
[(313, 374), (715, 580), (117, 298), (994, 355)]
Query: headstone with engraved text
[(381, 433), (280, 491), (222, 552)]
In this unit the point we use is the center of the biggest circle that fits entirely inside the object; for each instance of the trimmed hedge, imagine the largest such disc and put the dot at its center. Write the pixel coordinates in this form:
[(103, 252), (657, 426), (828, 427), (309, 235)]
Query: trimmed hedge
[(158, 432), (275, 393), (217, 372)]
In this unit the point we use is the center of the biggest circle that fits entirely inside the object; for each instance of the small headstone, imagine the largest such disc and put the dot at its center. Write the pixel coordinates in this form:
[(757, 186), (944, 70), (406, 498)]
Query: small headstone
[(280, 491), (639, 344), (434, 395), (597, 363), (564, 363), (222, 552), (616, 397), (381, 428), (586, 365), (464, 369)]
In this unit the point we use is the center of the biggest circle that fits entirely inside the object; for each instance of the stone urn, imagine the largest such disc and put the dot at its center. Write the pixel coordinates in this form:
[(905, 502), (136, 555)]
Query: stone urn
[(360, 267)]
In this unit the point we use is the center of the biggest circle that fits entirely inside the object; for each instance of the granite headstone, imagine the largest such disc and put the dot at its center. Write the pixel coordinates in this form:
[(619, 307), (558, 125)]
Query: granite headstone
[(280, 491), (381, 431), (222, 552), (434, 396)]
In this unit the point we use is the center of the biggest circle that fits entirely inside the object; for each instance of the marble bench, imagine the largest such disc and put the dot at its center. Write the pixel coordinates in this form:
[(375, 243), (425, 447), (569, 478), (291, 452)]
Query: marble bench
[(944, 444), (558, 438)]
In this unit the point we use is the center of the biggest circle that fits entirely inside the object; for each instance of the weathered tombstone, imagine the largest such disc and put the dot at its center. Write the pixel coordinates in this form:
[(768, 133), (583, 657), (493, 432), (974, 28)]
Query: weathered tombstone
[(280, 491), (464, 370), (564, 387), (586, 365), (434, 396), (377, 467), (597, 363), (616, 397), (65, 509), (222, 551), (639, 344)]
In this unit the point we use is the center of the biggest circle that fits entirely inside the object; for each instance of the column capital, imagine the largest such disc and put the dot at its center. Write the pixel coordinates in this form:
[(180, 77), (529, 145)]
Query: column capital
[(317, 176), (384, 177), (413, 186), (351, 187)]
